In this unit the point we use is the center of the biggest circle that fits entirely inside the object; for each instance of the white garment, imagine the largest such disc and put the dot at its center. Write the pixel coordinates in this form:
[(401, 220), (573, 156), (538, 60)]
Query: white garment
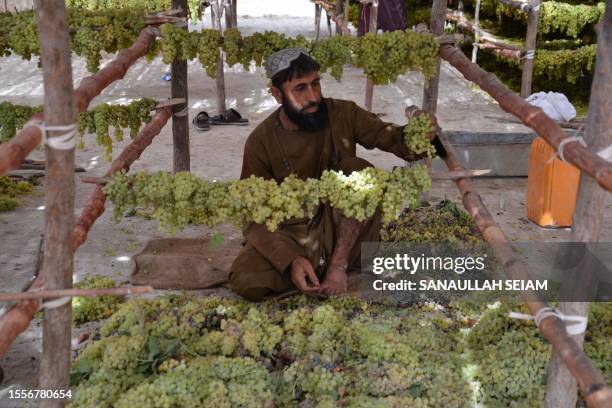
[(554, 104)]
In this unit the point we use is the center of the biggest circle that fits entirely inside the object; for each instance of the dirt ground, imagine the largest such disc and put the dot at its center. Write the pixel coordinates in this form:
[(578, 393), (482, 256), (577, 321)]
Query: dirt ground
[(217, 154)]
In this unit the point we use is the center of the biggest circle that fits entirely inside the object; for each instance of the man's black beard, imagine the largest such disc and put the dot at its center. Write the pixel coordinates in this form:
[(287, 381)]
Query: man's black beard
[(310, 122)]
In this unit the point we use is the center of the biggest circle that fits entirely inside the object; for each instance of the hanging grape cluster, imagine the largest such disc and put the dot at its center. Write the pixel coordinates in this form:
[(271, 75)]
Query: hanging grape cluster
[(91, 32), (98, 121), (94, 30), (416, 135), (13, 117), (149, 6), (383, 57), (175, 200), (10, 189)]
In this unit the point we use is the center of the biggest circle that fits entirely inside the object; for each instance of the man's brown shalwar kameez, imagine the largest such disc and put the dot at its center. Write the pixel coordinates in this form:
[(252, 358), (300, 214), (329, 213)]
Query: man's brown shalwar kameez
[(272, 152)]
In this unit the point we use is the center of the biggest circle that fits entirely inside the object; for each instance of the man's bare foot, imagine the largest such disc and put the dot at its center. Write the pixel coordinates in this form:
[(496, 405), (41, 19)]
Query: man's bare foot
[(335, 280)]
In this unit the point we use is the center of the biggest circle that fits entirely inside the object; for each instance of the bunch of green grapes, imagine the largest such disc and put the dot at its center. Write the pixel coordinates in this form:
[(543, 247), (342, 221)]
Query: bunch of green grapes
[(404, 189), (176, 200), (87, 309), (211, 381), (259, 46), (308, 352), (416, 134), (333, 52), (95, 31), (370, 56), (10, 190), (441, 223), (384, 57), (90, 32), (100, 119), (422, 53), (148, 6), (13, 117), (21, 34), (514, 368), (172, 40), (356, 195), (259, 336), (232, 45), (178, 44), (209, 51)]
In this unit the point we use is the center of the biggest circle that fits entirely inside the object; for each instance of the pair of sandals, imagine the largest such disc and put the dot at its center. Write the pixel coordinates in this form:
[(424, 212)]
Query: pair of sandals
[(202, 121)]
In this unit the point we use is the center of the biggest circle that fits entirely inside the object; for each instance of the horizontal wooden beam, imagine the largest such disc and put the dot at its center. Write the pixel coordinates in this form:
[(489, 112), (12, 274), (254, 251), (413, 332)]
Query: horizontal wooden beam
[(59, 293), (485, 36)]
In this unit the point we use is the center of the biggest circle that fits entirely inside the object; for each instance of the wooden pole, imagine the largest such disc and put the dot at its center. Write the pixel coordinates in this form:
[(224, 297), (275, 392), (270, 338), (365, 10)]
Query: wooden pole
[(476, 34), (430, 92), (180, 118), (92, 292), (345, 16), (339, 11), (216, 11), (317, 21), (372, 28), (57, 266), (530, 46), (590, 380), (588, 215), (340, 23), (235, 13)]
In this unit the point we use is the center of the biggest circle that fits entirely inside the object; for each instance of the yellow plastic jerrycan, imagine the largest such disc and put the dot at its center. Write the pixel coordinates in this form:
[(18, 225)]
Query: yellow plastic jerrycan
[(552, 187)]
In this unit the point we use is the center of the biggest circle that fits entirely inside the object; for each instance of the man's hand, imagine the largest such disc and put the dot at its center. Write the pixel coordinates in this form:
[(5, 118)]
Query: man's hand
[(303, 275)]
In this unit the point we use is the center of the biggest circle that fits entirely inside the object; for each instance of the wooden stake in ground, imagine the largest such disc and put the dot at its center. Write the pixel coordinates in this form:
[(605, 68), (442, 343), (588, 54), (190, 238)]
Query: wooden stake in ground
[(57, 267), (430, 92), (230, 14), (347, 4), (372, 28), (588, 215), (216, 12), (339, 11), (180, 118), (530, 46), (317, 21)]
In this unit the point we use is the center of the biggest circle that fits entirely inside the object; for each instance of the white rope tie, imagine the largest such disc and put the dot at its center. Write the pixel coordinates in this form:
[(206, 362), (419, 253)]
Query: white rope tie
[(529, 54), (526, 7), (578, 326), (606, 153), (535, 8), (182, 113), (567, 140), (52, 304), (65, 141)]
